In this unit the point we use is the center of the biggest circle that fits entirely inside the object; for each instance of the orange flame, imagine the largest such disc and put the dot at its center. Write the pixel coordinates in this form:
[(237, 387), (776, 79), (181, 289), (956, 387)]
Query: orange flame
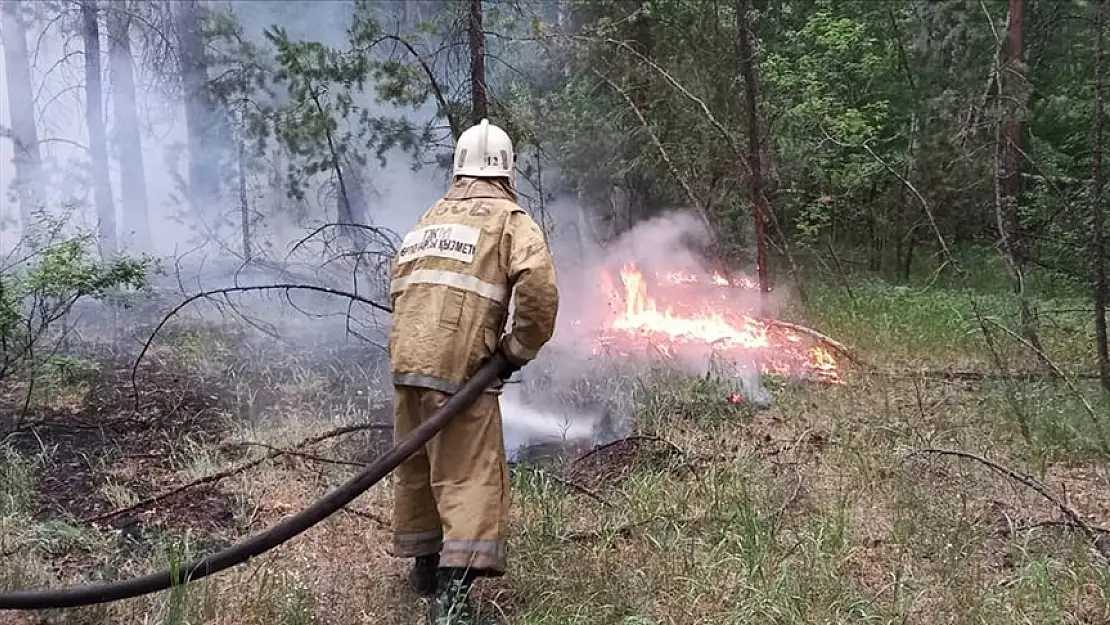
[(640, 319), (642, 314)]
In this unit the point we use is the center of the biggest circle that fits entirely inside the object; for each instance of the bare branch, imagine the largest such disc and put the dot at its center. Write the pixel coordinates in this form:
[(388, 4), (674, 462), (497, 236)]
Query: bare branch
[(1025, 480), (221, 475), (662, 151), (433, 82), (300, 454), (1055, 369), (241, 289)]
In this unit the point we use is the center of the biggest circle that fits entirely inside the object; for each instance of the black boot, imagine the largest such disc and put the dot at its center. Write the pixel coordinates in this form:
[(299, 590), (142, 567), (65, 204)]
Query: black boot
[(422, 578), (451, 604)]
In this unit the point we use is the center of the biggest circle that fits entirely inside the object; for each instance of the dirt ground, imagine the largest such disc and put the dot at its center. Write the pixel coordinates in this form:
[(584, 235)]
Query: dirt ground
[(817, 451)]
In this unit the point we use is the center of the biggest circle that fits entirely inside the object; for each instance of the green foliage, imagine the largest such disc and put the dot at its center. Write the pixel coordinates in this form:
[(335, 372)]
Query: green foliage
[(64, 369), (315, 102), (36, 295), (66, 270), (323, 124), (859, 100)]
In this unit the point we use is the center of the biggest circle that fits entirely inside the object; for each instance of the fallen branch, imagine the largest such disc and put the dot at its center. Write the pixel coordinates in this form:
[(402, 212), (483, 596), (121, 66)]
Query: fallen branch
[(299, 454), (1056, 369), (1068, 511), (367, 515), (971, 374), (831, 342), (626, 530), (1024, 527), (215, 477), (623, 531)]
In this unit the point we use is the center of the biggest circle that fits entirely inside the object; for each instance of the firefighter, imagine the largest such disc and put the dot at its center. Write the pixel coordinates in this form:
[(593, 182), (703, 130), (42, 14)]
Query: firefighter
[(451, 285)]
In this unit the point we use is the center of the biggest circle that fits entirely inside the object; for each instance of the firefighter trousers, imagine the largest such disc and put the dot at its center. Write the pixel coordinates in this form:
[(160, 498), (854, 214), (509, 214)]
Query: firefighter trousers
[(452, 496)]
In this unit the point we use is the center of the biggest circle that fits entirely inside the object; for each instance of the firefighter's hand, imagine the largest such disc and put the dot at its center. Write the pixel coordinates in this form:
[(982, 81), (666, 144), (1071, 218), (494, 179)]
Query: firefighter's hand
[(509, 369)]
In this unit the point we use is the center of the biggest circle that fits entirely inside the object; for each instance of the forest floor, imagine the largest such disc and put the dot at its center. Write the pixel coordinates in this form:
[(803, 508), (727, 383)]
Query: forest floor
[(817, 510)]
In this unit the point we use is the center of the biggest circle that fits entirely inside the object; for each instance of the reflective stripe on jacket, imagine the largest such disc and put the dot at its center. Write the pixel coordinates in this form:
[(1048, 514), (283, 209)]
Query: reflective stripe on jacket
[(452, 281)]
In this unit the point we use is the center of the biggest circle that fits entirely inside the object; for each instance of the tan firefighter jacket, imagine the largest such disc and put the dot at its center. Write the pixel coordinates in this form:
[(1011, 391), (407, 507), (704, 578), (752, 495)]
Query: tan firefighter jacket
[(452, 281)]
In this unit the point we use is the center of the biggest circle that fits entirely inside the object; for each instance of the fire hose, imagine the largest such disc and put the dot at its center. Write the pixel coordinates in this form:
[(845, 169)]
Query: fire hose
[(91, 594)]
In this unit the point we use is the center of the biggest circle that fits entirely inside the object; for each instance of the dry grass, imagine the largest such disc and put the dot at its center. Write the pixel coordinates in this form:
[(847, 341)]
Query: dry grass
[(809, 512)]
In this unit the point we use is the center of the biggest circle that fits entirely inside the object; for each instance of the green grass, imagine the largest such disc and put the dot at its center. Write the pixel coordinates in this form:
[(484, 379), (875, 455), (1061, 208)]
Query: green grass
[(847, 531), (811, 512), (932, 320), (897, 324)]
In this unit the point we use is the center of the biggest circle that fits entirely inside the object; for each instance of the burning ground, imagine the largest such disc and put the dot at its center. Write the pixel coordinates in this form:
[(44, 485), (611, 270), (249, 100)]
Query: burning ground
[(700, 509), (681, 314)]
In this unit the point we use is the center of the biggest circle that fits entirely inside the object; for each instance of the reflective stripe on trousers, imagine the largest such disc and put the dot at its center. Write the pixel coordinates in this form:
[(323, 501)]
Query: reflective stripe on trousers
[(425, 381), (414, 544), (465, 550)]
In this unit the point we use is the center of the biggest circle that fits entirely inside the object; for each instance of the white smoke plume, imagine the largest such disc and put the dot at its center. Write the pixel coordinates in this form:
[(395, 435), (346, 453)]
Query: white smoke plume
[(674, 241), (396, 196)]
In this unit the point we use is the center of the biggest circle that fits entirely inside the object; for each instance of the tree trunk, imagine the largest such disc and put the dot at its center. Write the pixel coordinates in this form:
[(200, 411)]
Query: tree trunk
[(129, 146), (1014, 94), (200, 112), (479, 104), (411, 15), (98, 136), (244, 204), (26, 154), (1013, 77), (351, 203), (1098, 247), (755, 154), (278, 180)]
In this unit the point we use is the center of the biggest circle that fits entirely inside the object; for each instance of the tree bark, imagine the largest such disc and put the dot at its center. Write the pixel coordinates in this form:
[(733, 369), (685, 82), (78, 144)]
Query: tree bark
[(244, 203), (1013, 77), (755, 155), (351, 204), (411, 14), (98, 136), (1014, 94), (200, 111), (129, 146), (26, 153), (1098, 247), (479, 103)]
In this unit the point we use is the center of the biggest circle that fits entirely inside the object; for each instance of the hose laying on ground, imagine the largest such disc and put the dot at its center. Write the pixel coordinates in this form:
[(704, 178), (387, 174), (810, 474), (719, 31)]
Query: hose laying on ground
[(92, 594)]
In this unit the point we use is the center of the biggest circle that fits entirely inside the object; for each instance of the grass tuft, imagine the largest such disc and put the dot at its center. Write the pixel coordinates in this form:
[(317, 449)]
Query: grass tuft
[(809, 511)]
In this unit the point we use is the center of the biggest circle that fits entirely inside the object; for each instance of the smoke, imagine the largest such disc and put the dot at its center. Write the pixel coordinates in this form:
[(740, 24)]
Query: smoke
[(568, 393), (586, 395), (677, 240), (396, 194)]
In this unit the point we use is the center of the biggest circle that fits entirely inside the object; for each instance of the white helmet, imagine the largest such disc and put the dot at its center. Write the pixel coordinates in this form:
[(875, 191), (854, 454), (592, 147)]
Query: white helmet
[(485, 151)]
